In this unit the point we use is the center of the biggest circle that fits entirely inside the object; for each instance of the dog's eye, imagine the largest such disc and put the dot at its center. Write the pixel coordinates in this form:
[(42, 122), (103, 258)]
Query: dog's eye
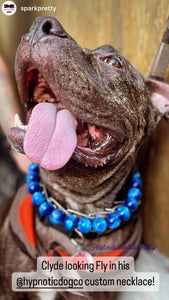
[(113, 62)]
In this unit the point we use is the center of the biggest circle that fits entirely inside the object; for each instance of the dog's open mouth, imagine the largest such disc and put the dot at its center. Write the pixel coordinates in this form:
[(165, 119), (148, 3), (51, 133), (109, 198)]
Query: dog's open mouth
[(54, 134)]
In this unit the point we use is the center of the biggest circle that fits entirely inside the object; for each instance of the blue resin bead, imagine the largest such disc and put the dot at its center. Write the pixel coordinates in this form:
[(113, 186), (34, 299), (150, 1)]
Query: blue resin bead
[(84, 225), (136, 183), (56, 216), (32, 176), (134, 193), (45, 208), (70, 222), (131, 203), (33, 187), (113, 221), (99, 224), (33, 167), (136, 175), (123, 212), (38, 198)]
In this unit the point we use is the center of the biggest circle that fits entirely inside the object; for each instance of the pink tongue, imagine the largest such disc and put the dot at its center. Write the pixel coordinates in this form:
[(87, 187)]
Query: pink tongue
[(50, 138)]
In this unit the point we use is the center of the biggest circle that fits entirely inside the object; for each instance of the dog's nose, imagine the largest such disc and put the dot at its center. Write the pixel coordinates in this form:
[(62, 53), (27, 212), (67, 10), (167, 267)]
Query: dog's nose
[(43, 27)]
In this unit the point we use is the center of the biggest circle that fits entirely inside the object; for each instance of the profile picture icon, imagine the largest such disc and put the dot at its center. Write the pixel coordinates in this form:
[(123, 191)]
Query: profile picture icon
[(9, 8)]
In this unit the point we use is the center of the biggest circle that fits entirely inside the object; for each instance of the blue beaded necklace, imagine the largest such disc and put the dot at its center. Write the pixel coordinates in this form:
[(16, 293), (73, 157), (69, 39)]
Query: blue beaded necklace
[(84, 223)]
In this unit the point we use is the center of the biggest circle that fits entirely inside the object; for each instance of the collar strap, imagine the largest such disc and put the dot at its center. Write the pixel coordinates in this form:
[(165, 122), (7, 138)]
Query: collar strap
[(117, 252), (82, 224)]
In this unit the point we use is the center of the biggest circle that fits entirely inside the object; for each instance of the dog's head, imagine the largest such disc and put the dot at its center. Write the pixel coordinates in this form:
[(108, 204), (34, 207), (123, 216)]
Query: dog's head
[(88, 111)]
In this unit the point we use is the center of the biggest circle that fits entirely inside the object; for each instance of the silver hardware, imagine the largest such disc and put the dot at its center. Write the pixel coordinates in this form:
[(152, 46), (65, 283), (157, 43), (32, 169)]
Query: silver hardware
[(80, 241), (117, 202), (44, 190), (80, 235), (92, 215), (113, 209), (77, 213), (58, 205), (79, 246)]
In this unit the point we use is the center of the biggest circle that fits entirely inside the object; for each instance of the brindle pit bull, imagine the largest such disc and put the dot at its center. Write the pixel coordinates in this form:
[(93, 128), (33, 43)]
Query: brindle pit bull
[(105, 110)]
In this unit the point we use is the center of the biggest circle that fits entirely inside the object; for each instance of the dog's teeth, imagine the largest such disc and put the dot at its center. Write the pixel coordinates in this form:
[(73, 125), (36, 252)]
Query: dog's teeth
[(51, 100), (18, 123), (43, 98), (40, 76), (30, 68), (42, 84), (17, 120), (37, 92)]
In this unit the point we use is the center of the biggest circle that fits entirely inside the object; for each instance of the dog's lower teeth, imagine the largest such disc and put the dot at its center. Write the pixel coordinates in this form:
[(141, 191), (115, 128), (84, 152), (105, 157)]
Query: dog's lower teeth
[(17, 120), (18, 123), (43, 98), (38, 92)]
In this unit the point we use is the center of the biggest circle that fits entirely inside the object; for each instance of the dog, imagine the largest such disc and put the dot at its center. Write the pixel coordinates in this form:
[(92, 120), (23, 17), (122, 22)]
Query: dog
[(88, 113)]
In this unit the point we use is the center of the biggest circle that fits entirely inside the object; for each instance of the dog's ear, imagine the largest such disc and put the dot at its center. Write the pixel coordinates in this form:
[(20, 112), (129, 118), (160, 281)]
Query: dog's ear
[(159, 95)]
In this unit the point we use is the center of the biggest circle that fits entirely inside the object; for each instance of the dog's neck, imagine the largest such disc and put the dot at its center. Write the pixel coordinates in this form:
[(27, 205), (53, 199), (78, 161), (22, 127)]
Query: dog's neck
[(86, 189)]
